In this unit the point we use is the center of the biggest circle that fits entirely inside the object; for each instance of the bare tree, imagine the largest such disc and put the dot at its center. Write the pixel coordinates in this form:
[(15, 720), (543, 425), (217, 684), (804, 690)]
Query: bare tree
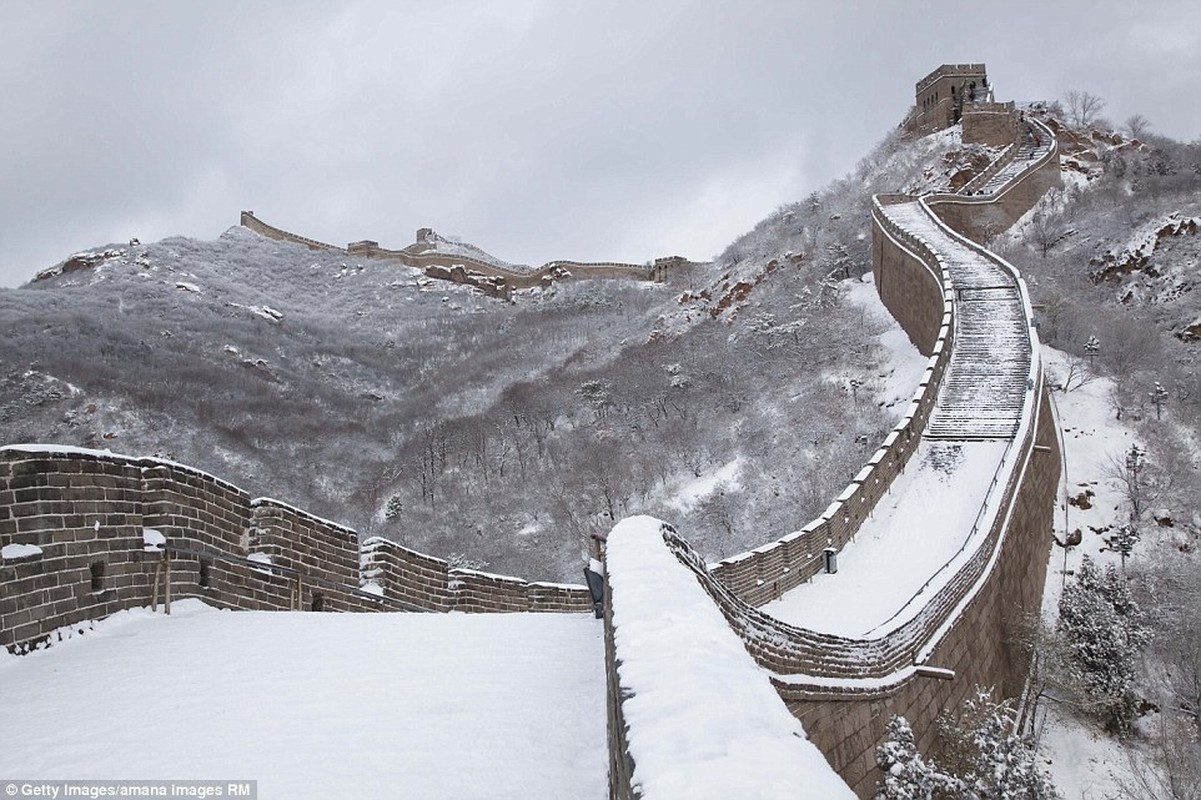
[(1178, 647), (1077, 375), (1137, 125), (1140, 483), (1175, 769), (1046, 233), (1082, 107)]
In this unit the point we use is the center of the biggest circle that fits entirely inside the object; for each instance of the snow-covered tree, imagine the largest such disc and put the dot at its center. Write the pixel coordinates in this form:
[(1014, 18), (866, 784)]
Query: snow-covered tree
[(1106, 630), (1002, 762), (908, 776), (1159, 397), (987, 755), (1092, 347), (1136, 480), (394, 508), (1123, 541)]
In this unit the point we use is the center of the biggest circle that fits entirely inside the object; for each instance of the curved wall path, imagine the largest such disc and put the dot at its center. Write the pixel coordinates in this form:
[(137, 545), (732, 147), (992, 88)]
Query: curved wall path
[(984, 395)]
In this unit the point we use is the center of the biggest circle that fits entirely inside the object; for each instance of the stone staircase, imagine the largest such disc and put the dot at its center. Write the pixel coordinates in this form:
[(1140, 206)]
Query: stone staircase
[(985, 385), (1027, 153)]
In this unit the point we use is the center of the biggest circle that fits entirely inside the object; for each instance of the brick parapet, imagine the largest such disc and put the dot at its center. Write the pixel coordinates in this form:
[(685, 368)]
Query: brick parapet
[(847, 722), (84, 516), (763, 574), (994, 124), (80, 517), (979, 218), (191, 506), (845, 690), (297, 539)]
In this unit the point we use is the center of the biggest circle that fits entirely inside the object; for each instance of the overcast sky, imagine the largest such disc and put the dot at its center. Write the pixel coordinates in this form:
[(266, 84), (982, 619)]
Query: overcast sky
[(536, 129)]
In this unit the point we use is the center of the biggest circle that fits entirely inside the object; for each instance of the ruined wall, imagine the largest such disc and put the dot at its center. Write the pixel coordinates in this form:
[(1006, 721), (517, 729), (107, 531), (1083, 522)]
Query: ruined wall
[(75, 547)]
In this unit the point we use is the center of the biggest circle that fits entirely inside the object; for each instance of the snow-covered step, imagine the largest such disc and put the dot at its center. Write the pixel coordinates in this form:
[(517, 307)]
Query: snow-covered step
[(984, 388)]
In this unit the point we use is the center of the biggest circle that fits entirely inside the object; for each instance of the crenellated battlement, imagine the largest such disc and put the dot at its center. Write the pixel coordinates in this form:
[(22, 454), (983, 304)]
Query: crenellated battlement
[(80, 539)]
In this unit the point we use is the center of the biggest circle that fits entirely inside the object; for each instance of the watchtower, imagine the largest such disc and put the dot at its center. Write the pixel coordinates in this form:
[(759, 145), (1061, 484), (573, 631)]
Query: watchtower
[(941, 95)]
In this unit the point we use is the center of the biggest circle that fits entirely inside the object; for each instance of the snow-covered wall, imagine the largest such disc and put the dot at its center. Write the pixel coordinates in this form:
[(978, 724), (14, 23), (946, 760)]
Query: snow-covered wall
[(691, 714), (250, 221), (954, 635), (980, 218), (73, 540), (494, 278)]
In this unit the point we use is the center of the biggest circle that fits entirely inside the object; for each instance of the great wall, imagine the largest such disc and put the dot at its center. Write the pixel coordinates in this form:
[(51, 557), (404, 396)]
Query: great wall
[(467, 264), (86, 533)]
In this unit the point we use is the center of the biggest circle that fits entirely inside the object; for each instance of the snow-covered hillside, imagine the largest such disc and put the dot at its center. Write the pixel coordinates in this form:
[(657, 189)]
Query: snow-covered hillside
[(498, 434)]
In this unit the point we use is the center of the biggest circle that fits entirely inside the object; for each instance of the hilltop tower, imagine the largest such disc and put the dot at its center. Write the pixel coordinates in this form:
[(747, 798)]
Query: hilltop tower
[(941, 95)]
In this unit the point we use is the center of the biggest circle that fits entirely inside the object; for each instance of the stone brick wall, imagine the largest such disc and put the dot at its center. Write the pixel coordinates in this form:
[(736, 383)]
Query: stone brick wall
[(848, 725), (845, 690), (908, 278), (915, 295), (80, 516), (431, 584), (296, 539), (993, 124), (981, 218), (936, 96), (85, 515), (492, 279), (249, 220)]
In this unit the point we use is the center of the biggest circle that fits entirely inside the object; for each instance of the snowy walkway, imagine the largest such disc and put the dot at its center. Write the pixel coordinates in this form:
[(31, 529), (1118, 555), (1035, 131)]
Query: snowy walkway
[(985, 384), (916, 528), (931, 509), (1027, 152), (331, 706)]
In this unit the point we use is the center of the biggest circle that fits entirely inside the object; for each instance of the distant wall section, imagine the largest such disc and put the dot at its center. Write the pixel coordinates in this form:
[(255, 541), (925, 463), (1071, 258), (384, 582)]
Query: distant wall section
[(981, 218), (493, 279), (249, 220)]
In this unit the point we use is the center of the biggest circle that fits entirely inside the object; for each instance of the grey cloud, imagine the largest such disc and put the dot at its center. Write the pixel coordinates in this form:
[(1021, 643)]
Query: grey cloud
[(536, 129)]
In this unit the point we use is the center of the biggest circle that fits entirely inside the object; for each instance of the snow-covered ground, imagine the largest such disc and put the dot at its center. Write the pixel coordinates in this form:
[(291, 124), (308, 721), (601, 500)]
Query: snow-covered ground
[(1083, 762), (903, 366), (319, 705), (917, 527), (1094, 441)]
